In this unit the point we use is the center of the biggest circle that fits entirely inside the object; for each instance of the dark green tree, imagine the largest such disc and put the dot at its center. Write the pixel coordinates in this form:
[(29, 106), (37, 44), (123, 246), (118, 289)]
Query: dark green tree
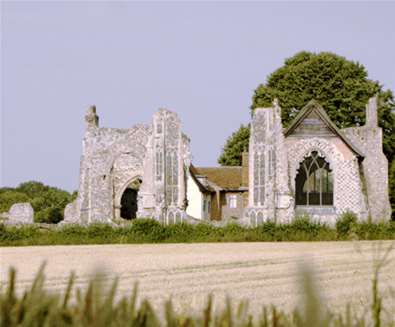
[(234, 147), (341, 86), (9, 196), (32, 188)]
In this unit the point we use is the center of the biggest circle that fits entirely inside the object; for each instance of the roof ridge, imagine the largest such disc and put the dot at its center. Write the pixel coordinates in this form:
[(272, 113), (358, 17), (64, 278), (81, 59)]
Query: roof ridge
[(315, 105)]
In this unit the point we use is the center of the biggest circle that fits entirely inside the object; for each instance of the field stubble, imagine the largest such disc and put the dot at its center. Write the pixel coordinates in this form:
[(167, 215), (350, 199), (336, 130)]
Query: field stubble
[(261, 273)]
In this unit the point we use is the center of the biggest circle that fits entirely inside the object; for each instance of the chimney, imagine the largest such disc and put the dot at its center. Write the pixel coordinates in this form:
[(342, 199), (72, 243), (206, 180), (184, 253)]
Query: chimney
[(244, 168), (371, 112)]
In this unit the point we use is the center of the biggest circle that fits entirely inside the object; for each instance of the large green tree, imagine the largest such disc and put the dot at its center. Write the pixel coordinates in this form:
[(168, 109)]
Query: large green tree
[(341, 86), (235, 146)]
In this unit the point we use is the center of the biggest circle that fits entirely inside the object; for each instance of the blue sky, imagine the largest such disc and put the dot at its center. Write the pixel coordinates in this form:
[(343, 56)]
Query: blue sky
[(202, 60)]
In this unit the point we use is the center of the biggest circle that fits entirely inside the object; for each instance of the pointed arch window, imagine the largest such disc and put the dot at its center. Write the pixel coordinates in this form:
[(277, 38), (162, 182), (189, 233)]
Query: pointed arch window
[(259, 179), (171, 178), (314, 182)]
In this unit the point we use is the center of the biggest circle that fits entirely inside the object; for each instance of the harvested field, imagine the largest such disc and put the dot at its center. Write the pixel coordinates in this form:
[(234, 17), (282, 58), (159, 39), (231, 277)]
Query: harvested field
[(262, 273)]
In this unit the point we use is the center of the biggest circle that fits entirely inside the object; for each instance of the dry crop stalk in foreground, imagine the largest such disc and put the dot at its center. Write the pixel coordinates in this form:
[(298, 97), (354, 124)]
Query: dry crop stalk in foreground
[(97, 307)]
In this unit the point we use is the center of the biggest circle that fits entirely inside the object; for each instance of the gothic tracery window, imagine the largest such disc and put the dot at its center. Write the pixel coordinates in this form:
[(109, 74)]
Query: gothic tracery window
[(314, 182), (259, 179), (171, 178), (159, 163)]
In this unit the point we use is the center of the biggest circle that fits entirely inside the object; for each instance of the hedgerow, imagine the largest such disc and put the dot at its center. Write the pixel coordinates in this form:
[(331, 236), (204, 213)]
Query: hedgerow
[(151, 231)]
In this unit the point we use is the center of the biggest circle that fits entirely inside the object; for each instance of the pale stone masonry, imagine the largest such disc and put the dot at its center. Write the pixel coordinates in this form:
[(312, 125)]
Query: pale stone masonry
[(269, 187), (19, 213), (354, 168), (148, 161), (311, 168)]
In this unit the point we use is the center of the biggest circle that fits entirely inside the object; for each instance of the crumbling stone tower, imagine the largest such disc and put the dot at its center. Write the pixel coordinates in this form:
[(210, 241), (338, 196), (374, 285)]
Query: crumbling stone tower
[(369, 138), (269, 193), (142, 167)]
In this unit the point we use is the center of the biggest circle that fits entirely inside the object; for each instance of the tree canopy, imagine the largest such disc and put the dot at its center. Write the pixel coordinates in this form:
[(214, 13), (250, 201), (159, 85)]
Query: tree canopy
[(341, 86), (48, 202), (236, 144)]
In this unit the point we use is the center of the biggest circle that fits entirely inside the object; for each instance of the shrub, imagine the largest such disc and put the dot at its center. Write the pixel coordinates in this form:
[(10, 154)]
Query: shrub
[(146, 230), (49, 215), (346, 223), (48, 202), (267, 230), (303, 224), (32, 188), (181, 232), (9, 197), (151, 231), (233, 232), (207, 232), (24, 235)]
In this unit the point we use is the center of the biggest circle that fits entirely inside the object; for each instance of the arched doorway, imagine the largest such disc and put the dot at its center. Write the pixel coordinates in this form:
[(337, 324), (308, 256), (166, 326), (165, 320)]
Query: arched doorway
[(129, 201), (314, 182)]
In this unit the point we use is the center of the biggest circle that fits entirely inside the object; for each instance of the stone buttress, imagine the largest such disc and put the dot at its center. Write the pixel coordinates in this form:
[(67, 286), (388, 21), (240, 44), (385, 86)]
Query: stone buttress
[(369, 138), (269, 194)]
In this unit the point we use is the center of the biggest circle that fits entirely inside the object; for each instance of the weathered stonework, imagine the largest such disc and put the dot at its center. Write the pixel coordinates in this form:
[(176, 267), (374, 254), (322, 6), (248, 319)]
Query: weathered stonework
[(347, 183), (269, 193), (149, 160), (354, 159), (311, 168), (368, 138), (20, 213)]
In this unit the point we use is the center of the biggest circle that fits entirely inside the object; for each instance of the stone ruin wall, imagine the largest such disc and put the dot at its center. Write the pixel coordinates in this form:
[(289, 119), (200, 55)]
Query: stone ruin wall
[(272, 196), (347, 185), (19, 214), (112, 159), (158, 154), (269, 193), (369, 139)]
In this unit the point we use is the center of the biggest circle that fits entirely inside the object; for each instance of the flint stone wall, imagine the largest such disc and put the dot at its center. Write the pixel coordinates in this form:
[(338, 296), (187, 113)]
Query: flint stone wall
[(375, 169), (21, 213), (71, 213), (347, 185), (369, 139), (360, 171), (154, 158), (269, 193), (142, 157)]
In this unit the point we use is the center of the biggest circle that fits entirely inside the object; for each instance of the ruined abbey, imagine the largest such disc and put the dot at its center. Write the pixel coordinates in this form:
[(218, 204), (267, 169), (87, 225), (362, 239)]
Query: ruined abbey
[(311, 167)]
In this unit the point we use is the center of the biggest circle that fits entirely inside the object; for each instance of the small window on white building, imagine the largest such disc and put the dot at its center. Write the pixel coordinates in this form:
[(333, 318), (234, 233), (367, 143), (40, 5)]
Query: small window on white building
[(232, 200), (204, 205)]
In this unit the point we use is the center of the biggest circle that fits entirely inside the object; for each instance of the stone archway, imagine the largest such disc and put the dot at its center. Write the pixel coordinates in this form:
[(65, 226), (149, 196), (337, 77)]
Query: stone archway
[(129, 205), (126, 203), (314, 182), (347, 186), (304, 148)]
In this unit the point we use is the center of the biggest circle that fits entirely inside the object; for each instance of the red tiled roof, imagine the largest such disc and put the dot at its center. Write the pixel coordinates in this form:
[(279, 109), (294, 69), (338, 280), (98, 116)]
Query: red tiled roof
[(227, 178)]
